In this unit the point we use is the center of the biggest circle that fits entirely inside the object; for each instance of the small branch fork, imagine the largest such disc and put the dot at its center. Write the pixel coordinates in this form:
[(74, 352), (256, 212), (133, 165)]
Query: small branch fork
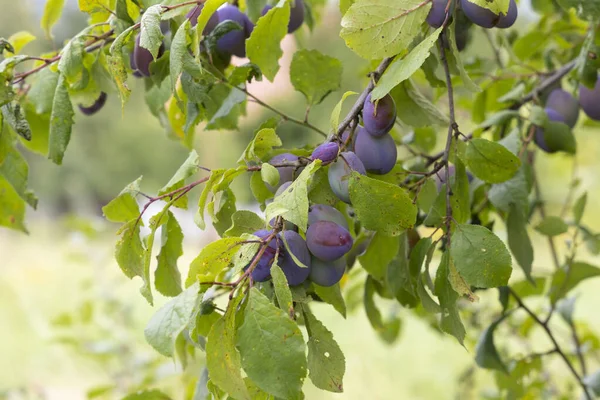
[(557, 348)]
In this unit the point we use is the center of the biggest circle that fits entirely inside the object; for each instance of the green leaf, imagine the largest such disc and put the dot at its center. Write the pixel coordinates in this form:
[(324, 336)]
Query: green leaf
[(552, 226), (14, 169), (14, 117), (263, 45), (414, 108), (179, 53), (41, 94), (116, 63), (518, 239), (20, 39), (151, 35), (12, 207), (428, 303), (189, 167), (213, 259), (170, 320), (267, 330), (332, 295), (497, 6), (486, 355), (269, 174), (292, 204), (326, 362), (220, 180), (579, 208), (71, 62), (380, 28), (568, 277), (61, 122), (262, 144), (52, 12), (586, 9), (402, 69), (490, 161), (210, 7), (167, 277), (395, 211), (381, 251), (337, 110), (315, 75), (399, 280), (129, 253), (480, 257), (418, 254), (124, 207), (427, 195), (387, 330), (222, 358), (147, 394), (244, 221), (450, 322), (528, 45), (282, 290)]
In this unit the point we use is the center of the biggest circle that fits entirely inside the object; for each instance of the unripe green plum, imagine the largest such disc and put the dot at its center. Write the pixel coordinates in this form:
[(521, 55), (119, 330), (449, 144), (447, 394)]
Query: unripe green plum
[(538, 138)]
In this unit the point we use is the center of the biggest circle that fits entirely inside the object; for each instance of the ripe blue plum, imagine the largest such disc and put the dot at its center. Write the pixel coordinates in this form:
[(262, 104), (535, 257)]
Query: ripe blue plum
[(563, 103), (379, 119), (327, 273), (589, 99), (328, 241), (262, 270), (323, 212), (193, 15), (142, 57), (326, 152), (234, 42), (96, 106), (286, 174), (340, 171), (488, 19), (378, 154), (437, 13), (538, 138), (296, 15), (294, 273), (350, 141), (508, 20), (136, 72)]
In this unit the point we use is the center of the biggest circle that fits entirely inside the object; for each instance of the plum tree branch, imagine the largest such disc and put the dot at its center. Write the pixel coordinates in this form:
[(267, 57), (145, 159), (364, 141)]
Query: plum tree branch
[(452, 128), (545, 84), (557, 348)]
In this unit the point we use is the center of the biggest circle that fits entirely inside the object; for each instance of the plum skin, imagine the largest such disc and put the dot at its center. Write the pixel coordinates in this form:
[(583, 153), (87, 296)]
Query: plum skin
[(488, 19), (286, 174), (378, 154), (339, 174), (326, 152), (589, 99), (234, 42), (262, 270), (296, 15), (437, 13), (562, 102), (538, 137), (97, 106), (328, 241), (379, 119), (325, 273), (323, 212), (294, 273), (142, 58)]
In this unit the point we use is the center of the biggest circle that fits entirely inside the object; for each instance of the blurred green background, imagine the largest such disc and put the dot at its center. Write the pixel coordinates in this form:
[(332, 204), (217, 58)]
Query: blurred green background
[(71, 322)]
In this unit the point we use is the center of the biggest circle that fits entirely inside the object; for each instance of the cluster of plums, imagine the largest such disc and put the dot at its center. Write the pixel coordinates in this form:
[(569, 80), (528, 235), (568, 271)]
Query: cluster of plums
[(478, 15), (232, 43), (322, 253), (470, 13), (562, 107)]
